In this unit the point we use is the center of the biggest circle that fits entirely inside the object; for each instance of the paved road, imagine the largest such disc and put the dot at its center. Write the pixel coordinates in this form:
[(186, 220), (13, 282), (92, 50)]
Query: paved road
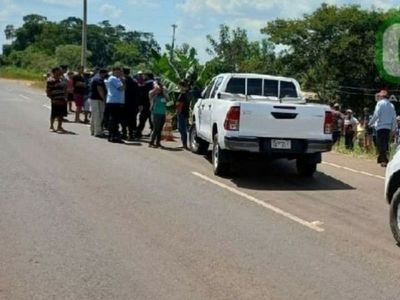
[(81, 218)]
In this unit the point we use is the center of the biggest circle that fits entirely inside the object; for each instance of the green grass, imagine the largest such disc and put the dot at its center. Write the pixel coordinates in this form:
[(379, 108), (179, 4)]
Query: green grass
[(359, 152), (20, 74)]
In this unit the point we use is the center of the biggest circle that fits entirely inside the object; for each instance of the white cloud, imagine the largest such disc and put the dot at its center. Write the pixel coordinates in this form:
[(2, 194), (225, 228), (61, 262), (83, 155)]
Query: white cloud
[(144, 3), (69, 3), (110, 11), (8, 9)]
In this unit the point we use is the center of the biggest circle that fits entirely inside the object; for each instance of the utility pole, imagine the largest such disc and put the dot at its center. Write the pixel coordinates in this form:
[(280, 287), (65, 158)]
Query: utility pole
[(84, 35), (174, 26)]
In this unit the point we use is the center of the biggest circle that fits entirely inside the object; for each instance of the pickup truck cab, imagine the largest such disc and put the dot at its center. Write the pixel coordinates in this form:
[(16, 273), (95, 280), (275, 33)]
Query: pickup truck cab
[(263, 115)]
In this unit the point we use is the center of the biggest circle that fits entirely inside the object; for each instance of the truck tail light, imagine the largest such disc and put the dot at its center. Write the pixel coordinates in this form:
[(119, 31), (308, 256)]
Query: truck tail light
[(232, 120), (328, 123)]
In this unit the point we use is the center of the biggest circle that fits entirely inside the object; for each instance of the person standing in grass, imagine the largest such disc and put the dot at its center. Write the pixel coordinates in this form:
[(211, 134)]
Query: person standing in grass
[(385, 119), (56, 91), (350, 129), (337, 123), (368, 129), (158, 103)]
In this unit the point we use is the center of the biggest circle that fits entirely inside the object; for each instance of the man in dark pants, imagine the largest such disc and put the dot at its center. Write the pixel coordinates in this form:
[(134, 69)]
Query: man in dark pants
[(384, 119), (337, 123), (131, 108), (115, 104), (144, 104)]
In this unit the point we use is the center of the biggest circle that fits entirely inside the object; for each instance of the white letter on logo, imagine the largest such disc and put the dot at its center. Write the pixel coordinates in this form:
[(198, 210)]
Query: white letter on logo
[(391, 58)]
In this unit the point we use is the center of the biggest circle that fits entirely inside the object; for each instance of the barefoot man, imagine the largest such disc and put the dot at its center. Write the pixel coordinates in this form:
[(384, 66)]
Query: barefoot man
[(56, 91)]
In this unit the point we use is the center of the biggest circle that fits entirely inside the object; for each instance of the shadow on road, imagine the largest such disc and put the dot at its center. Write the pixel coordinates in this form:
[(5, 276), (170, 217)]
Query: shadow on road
[(67, 132), (280, 175)]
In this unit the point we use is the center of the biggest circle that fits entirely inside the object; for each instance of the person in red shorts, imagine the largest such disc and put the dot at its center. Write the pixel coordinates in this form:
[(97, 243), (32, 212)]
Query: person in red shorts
[(79, 93)]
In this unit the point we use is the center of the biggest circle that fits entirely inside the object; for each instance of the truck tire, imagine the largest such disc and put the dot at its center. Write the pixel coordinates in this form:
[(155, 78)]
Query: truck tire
[(394, 216), (196, 144), (305, 168), (220, 159)]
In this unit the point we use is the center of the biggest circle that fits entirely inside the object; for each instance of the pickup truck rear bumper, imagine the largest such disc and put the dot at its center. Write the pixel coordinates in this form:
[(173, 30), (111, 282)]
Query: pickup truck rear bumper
[(263, 145)]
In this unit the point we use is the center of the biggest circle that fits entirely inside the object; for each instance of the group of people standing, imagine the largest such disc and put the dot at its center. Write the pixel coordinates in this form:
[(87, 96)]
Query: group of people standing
[(373, 129), (118, 103)]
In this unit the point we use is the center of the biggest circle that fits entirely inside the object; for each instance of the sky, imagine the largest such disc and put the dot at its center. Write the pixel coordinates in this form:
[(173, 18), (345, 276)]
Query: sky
[(195, 18)]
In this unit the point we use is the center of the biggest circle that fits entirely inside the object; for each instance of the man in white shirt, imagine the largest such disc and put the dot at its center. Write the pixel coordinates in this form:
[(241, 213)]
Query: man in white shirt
[(385, 119)]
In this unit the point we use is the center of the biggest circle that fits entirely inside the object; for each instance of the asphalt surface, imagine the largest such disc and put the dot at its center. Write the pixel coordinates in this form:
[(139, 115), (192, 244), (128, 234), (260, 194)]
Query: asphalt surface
[(81, 218)]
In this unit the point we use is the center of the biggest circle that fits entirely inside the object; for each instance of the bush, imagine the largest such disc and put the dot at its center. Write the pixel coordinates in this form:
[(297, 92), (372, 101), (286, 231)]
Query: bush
[(18, 73)]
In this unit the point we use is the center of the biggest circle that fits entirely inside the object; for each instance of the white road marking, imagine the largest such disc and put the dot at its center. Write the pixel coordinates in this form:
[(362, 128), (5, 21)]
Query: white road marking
[(311, 225), (26, 97), (353, 171)]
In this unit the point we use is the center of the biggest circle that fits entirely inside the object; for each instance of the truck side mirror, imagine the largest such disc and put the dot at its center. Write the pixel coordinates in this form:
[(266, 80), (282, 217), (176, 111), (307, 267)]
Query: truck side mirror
[(219, 95)]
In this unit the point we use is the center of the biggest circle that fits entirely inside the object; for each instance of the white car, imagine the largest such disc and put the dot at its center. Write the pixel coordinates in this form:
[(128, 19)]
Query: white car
[(263, 115), (392, 194)]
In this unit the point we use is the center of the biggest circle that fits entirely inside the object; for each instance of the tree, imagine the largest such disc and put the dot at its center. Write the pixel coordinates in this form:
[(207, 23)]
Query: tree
[(233, 52), (9, 32), (126, 54), (331, 49), (69, 55)]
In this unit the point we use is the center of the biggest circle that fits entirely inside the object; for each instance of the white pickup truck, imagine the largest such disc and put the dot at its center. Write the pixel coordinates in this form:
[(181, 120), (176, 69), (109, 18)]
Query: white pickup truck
[(259, 114)]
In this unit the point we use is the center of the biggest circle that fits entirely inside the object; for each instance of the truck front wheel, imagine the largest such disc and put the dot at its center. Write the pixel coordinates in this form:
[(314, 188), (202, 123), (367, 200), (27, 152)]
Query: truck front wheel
[(220, 159), (305, 167)]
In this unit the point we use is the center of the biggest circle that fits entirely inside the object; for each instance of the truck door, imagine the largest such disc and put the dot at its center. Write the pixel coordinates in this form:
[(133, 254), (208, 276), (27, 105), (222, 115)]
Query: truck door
[(210, 104), (204, 110)]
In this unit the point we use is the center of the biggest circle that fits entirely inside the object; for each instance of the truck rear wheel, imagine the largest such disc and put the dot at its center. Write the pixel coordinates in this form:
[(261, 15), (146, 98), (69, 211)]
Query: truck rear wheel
[(220, 159), (394, 216), (305, 168), (196, 144)]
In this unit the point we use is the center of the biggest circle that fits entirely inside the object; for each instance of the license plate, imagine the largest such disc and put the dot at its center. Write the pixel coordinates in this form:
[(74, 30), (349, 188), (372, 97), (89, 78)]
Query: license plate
[(281, 144)]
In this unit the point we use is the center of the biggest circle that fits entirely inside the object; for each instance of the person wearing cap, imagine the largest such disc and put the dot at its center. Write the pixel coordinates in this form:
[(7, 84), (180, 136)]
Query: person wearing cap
[(98, 93), (350, 128), (337, 123), (384, 118)]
